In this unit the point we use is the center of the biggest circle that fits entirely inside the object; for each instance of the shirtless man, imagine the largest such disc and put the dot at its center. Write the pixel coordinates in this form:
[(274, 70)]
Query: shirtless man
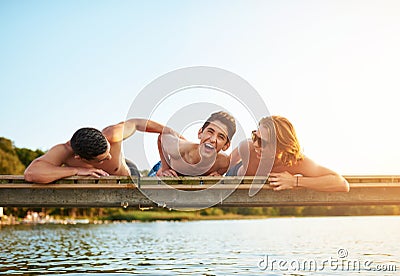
[(91, 152), (182, 157)]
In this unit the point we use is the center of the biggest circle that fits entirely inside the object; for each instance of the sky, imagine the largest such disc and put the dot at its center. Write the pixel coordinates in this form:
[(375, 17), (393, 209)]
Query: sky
[(330, 67)]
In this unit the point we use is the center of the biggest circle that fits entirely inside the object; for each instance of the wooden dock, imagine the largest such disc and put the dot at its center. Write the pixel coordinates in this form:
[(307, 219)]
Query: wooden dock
[(117, 191)]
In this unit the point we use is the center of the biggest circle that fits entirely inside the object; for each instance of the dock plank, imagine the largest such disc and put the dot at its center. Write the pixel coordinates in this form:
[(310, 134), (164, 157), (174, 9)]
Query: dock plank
[(116, 191)]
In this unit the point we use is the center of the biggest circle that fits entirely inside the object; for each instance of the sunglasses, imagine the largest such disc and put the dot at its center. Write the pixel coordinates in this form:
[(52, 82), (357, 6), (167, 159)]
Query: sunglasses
[(260, 142)]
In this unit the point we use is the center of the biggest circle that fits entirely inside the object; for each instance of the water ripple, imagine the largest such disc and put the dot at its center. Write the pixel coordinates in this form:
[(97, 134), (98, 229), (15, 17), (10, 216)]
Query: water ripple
[(201, 247)]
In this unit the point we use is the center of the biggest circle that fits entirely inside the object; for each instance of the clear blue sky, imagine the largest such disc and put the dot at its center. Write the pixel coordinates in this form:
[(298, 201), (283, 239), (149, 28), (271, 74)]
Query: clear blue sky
[(331, 67)]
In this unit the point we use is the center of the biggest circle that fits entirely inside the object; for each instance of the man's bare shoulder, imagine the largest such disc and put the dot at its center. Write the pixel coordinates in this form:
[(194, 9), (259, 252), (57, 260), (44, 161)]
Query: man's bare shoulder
[(114, 133), (62, 148), (188, 146), (58, 154), (176, 147), (222, 160)]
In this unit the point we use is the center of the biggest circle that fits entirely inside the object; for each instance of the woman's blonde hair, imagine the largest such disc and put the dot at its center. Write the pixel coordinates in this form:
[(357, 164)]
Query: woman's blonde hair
[(288, 149)]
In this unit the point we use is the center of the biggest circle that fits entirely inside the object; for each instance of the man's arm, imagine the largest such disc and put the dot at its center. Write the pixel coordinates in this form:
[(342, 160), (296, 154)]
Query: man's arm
[(170, 146), (165, 169), (48, 167), (123, 130)]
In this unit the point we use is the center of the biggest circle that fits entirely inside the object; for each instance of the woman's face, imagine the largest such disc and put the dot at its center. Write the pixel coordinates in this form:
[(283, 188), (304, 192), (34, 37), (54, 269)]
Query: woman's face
[(262, 142)]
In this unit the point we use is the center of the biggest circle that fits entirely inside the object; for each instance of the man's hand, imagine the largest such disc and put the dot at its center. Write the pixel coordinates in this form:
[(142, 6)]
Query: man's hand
[(91, 172), (168, 172), (215, 173)]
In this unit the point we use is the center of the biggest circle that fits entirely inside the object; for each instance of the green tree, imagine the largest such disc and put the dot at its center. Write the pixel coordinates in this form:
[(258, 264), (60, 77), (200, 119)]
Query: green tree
[(144, 172), (26, 156), (6, 145), (9, 161)]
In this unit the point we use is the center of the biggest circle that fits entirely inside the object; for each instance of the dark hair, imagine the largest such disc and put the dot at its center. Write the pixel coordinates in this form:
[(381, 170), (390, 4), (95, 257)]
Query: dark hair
[(88, 142), (224, 117)]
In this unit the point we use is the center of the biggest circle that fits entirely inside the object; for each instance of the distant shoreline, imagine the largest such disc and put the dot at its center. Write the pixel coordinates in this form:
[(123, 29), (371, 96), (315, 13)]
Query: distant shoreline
[(155, 217), (129, 218)]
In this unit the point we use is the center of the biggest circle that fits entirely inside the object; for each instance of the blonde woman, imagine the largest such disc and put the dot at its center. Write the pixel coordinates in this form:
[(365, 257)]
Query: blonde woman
[(274, 150)]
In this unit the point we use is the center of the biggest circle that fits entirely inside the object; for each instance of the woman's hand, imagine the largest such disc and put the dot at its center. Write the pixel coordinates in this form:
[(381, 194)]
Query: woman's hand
[(282, 181)]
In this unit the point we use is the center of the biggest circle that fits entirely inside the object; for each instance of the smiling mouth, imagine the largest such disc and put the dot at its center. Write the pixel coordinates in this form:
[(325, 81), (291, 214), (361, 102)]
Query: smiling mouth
[(209, 146)]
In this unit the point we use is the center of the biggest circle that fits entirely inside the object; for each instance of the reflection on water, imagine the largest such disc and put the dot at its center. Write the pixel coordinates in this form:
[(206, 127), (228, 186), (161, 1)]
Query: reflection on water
[(200, 247)]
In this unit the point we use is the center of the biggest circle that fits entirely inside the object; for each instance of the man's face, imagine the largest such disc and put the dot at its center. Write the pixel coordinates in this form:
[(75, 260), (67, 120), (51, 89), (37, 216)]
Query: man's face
[(99, 159), (213, 138)]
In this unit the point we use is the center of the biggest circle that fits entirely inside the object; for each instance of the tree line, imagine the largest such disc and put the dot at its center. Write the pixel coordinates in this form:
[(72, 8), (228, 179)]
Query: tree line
[(14, 160)]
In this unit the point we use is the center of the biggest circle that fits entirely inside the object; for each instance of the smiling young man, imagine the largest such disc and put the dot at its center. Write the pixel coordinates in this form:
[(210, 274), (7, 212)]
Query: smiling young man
[(182, 157), (91, 152)]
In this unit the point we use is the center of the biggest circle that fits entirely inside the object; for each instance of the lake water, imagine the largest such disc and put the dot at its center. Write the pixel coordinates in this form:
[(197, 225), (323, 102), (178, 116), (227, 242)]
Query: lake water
[(275, 246)]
